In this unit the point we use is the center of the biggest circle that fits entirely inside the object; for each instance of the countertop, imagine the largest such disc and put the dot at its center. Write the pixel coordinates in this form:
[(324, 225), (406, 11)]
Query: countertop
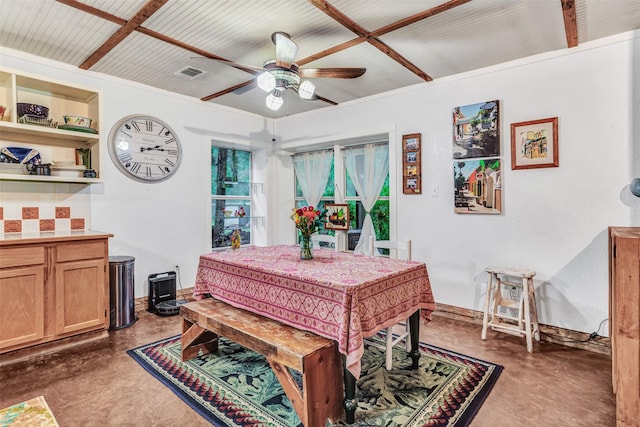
[(51, 236)]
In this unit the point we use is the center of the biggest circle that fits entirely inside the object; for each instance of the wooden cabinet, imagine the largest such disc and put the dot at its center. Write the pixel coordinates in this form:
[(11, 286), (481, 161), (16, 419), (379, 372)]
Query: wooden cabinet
[(53, 144), (21, 296), (624, 325), (52, 290)]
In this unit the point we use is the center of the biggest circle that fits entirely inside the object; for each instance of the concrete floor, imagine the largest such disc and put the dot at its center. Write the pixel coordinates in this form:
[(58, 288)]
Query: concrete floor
[(98, 384)]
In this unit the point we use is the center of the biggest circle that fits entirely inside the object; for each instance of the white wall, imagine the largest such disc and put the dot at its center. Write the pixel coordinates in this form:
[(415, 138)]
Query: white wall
[(554, 220), (160, 224)]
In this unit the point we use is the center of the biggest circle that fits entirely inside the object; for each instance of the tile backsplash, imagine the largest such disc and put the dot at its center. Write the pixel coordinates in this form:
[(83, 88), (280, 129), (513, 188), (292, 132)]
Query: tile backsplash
[(52, 207), (32, 221)]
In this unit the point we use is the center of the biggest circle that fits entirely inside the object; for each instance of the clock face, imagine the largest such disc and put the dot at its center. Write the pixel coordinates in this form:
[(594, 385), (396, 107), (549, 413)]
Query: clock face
[(145, 148)]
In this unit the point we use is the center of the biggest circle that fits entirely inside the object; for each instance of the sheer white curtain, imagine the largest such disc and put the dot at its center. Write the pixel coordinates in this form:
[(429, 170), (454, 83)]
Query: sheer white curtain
[(368, 167), (312, 170)]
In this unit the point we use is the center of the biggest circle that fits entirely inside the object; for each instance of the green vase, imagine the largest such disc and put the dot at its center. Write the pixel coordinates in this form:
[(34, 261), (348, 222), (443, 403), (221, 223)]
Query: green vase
[(306, 248)]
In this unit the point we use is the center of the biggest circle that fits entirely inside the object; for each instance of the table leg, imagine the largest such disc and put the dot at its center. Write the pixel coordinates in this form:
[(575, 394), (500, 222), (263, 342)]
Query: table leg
[(350, 402), (414, 329)]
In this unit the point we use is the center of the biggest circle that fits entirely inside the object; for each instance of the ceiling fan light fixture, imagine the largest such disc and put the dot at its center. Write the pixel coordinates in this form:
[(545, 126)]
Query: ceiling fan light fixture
[(274, 101), (306, 89), (266, 81)]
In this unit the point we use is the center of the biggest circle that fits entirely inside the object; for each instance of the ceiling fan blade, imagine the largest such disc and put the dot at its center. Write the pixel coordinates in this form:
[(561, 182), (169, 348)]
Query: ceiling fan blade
[(246, 88), (335, 73), (286, 49), (248, 68)]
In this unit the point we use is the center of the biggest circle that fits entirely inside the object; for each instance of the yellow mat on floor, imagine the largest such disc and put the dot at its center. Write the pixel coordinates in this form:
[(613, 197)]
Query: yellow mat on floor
[(32, 413)]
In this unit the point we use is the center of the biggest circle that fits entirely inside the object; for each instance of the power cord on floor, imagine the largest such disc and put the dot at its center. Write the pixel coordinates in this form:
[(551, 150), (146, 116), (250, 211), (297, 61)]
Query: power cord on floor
[(592, 336), (177, 268)]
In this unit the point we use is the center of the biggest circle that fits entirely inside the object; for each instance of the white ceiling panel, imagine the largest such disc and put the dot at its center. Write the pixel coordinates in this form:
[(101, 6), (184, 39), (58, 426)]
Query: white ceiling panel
[(469, 35)]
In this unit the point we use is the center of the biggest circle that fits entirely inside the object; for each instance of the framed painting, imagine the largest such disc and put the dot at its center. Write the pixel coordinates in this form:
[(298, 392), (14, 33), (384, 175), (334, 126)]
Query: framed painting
[(411, 163), (337, 217), (476, 130), (534, 144), (478, 186)]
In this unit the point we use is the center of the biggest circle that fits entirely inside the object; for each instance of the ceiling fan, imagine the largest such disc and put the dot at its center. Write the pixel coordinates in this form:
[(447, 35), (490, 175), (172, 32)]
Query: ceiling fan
[(282, 73)]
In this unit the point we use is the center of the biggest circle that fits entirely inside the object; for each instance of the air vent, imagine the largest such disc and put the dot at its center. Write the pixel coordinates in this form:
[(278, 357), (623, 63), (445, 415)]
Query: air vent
[(189, 72)]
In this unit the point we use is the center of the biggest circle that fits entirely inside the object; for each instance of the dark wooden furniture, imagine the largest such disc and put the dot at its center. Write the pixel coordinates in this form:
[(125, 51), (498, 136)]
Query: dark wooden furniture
[(624, 325), (317, 358)]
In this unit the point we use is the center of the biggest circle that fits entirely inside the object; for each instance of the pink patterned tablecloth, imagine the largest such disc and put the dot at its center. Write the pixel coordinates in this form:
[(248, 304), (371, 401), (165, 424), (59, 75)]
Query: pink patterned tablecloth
[(337, 295)]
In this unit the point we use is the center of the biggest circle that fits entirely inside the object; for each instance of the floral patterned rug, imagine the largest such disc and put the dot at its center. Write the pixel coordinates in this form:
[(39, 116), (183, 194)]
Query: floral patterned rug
[(32, 413), (236, 386)]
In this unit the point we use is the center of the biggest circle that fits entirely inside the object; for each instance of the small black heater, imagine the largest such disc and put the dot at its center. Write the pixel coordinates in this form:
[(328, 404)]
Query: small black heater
[(162, 294)]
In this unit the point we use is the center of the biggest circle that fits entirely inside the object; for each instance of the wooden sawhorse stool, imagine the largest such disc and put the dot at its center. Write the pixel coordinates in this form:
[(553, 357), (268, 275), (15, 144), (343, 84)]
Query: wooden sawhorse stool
[(526, 321)]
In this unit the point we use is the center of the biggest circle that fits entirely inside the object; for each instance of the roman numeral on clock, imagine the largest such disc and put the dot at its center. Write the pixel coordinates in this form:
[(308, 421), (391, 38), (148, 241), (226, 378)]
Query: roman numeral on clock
[(172, 152), (147, 172), (149, 124), (135, 167), (135, 126), (125, 157), (169, 162)]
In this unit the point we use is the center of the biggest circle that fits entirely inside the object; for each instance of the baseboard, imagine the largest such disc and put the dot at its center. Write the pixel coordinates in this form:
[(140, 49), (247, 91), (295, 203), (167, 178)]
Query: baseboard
[(27, 354), (553, 334)]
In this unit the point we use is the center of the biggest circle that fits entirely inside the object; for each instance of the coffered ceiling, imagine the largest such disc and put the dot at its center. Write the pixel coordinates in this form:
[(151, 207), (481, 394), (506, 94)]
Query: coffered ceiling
[(400, 43)]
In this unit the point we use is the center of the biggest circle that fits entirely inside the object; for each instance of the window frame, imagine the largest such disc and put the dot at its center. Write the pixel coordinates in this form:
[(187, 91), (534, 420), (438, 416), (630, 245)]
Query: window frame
[(247, 200)]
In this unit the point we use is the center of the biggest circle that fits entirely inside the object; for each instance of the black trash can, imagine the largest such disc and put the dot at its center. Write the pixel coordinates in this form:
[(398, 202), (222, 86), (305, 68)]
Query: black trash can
[(121, 291)]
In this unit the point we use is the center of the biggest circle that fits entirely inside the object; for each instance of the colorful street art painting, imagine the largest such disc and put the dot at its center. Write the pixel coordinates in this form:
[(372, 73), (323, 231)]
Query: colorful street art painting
[(478, 186)]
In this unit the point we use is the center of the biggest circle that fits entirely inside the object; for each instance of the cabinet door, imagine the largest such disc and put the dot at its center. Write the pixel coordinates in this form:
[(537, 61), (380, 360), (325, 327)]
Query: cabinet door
[(626, 327), (80, 296), (21, 305)]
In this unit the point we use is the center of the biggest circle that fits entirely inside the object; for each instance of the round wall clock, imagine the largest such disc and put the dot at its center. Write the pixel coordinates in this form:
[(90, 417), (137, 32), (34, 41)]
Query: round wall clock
[(144, 148)]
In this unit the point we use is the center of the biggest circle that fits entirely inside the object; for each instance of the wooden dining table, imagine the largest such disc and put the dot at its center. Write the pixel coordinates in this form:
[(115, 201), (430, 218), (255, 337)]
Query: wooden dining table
[(337, 295)]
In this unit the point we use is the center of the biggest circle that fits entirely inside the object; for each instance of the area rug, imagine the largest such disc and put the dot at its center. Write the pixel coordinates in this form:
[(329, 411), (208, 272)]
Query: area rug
[(236, 386), (32, 413)]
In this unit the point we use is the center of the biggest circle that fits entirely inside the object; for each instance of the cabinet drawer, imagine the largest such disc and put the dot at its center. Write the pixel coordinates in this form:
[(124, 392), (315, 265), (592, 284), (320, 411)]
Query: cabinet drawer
[(81, 250), (27, 255)]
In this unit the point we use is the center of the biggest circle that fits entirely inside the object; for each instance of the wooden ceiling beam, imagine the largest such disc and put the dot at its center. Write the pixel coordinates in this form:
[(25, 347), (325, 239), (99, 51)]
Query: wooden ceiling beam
[(228, 90), (570, 23), (122, 22), (418, 17), (364, 35), (331, 51), (380, 45), (142, 15), (94, 11)]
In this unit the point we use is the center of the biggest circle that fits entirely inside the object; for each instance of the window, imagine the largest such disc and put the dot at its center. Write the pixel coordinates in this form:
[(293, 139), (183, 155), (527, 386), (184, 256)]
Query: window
[(230, 195), (379, 213)]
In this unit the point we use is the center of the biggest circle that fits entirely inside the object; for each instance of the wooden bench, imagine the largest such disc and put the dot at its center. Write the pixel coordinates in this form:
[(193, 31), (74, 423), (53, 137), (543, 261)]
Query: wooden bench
[(317, 358)]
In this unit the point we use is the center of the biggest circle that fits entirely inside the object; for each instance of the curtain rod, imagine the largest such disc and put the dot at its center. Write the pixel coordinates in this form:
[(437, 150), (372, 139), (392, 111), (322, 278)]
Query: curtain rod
[(311, 151), (349, 147)]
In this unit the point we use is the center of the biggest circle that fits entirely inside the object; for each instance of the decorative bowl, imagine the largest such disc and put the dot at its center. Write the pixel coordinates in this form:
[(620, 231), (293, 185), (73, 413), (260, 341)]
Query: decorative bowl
[(32, 109), (79, 121)]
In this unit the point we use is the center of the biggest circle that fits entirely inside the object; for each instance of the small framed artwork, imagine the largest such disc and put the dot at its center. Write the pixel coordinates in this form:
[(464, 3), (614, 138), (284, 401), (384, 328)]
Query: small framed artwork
[(411, 167), (412, 184), (412, 157), (337, 217), (534, 144), (411, 142)]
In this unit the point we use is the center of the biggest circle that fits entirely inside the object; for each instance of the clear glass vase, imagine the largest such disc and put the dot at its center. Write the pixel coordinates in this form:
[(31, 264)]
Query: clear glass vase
[(306, 248)]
